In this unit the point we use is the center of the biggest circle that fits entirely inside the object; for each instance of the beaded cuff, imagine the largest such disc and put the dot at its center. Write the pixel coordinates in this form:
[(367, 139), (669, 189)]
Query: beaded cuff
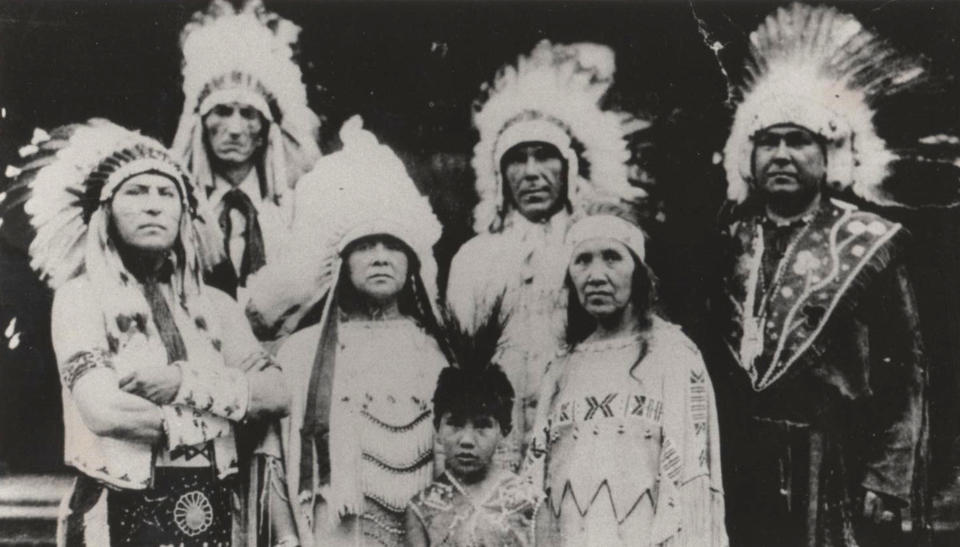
[(186, 427), (81, 363)]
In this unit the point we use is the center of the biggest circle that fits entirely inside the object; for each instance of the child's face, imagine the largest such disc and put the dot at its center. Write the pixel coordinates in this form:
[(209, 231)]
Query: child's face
[(468, 444)]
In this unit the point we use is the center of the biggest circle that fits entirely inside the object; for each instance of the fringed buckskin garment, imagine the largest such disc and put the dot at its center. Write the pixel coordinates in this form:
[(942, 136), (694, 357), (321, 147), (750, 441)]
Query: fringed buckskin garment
[(825, 398), (627, 445), (359, 441), (376, 451), (184, 492), (119, 309), (552, 95), (820, 366)]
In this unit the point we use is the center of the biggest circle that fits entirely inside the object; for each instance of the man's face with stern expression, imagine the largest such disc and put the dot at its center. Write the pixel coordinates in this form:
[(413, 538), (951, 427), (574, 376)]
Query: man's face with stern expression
[(788, 162), (146, 211), (234, 132), (536, 176)]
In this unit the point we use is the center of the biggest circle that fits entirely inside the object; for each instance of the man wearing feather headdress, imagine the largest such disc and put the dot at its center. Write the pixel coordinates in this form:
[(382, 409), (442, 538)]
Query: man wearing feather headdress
[(246, 132), (824, 390), (157, 369), (545, 148)]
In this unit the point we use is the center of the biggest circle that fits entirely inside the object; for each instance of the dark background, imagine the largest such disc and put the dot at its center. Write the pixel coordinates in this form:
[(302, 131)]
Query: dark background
[(412, 70)]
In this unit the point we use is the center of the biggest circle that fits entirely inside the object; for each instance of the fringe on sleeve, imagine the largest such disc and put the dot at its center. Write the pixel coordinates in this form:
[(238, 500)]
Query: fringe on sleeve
[(702, 512)]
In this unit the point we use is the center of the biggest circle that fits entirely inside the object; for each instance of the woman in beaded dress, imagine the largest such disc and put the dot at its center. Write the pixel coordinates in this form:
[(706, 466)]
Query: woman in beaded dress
[(626, 444), (359, 441)]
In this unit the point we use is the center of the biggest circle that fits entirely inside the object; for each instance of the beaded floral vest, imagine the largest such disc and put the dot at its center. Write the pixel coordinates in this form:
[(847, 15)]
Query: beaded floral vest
[(774, 324)]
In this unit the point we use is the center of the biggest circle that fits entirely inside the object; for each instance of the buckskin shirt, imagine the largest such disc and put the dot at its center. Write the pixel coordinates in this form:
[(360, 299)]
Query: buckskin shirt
[(824, 389)]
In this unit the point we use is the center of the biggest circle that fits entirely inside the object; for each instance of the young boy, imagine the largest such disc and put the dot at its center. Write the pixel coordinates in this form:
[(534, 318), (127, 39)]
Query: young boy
[(472, 503)]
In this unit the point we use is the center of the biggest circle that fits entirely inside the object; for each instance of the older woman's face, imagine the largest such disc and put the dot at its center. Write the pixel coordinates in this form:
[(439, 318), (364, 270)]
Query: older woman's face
[(602, 273), (378, 267), (146, 212)]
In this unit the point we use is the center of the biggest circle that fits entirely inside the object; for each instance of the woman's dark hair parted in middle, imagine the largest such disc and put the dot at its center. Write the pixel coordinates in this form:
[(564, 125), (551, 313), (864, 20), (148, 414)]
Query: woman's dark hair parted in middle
[(643, 296), (413, 300), (349, 297)]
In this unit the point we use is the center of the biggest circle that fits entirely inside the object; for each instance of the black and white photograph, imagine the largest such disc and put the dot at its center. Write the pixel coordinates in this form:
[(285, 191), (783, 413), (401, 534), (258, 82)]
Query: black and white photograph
[(479, 273)]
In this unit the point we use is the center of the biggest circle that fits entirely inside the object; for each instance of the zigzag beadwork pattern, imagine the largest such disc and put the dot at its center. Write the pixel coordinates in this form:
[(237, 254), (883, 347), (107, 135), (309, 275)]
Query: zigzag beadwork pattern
[(582, 510)]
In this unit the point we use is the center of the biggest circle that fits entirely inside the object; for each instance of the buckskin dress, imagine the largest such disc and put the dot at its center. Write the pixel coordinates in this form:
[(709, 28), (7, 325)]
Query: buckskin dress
[(627, 445), (385, 375)]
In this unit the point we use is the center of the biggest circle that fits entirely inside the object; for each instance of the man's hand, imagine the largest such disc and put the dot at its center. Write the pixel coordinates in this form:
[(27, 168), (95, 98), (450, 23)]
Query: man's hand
[(876, 509), (158, 383)]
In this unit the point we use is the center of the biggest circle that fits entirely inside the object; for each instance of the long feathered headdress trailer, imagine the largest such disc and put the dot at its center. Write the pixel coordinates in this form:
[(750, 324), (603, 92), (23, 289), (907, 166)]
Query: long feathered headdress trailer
[(819, 68)]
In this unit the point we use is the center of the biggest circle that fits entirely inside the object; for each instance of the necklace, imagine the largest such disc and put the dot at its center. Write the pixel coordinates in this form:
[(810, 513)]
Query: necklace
[(778, 277), (755, 313)]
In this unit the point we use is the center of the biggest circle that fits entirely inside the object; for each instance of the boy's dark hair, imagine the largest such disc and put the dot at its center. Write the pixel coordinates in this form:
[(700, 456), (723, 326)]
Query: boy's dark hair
[(471, 392)]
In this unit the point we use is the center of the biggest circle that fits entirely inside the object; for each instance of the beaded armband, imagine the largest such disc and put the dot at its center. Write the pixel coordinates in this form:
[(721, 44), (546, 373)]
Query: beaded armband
[(81, 363), (220, 391)]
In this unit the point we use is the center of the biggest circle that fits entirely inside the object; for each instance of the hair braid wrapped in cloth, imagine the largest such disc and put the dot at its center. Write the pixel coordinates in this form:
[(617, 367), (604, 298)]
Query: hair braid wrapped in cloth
[(820, 69), (247, 55), (553, 95)]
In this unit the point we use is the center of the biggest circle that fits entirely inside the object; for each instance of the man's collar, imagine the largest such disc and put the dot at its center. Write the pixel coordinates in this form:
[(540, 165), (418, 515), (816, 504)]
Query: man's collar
[(805, 218), (249, 186), (516, 223)]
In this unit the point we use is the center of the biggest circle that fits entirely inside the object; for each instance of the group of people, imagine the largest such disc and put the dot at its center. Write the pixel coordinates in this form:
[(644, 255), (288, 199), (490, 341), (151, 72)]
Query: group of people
[(254, 351)]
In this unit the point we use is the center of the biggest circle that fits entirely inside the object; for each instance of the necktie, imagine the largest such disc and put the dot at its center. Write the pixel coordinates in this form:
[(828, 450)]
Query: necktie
[(253, 253), (162, 316), (176, 351)]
